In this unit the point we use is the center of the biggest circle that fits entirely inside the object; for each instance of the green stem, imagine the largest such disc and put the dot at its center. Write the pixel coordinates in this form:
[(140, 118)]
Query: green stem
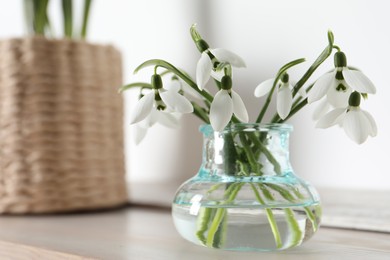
[(279, 75), (293, 223), (68, 21), (321, 58), (289, 197), (294, 110), (290, 217), (251, 158), (179, 73), (231, 192), (202, 223), (199, 112), (87, 7), (219, 215), (266, 152), (135, 85), (312, 218), (270, 217), (40, 10)]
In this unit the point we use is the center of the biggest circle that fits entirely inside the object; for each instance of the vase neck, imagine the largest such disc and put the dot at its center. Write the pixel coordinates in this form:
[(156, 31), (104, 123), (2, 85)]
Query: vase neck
[(246, 150)]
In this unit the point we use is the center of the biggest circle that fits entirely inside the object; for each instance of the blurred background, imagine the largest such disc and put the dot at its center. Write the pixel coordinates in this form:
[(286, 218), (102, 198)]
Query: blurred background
[(267, 34)]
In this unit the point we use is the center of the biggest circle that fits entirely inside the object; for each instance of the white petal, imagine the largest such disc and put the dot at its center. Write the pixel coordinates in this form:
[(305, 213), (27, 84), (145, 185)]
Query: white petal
[(139, 133), (338, 98), (332, 118), (320, 87), (221, 110), (150, 120), (167, 119), (239, 108), (176, 102), (173, 85), (284, 102), (264, 87), (224, 55), (203, 70), (373, 127), (356, 126), (143, 108), (358, 81), (321, 109), (217, 74)]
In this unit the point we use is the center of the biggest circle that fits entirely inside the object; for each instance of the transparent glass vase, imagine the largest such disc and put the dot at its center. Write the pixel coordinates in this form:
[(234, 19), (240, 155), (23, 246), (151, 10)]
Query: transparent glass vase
[(246, 195)]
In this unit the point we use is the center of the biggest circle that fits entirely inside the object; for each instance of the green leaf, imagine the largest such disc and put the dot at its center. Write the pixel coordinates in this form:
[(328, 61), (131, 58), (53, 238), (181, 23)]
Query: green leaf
[(135, 85), (68, 21), (323, 56), (40, 16), (87, 7), (194, 33), (279, 75)]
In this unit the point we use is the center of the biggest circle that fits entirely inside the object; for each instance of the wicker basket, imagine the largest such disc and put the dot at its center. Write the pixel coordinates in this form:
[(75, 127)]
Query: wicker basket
[(61, 132)]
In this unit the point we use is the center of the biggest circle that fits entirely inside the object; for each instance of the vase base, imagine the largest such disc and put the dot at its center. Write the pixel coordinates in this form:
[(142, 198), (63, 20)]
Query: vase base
[(246, 228)]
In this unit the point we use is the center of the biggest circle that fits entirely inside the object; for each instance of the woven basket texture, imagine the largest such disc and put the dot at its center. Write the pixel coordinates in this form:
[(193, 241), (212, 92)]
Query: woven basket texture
[(61, 126)]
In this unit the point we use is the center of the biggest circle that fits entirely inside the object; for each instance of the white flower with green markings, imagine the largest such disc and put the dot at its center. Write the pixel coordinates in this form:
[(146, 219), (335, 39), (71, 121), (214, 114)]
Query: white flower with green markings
[(284, 96), (226, 103), (154, 104), (339, 84), (357, 123)]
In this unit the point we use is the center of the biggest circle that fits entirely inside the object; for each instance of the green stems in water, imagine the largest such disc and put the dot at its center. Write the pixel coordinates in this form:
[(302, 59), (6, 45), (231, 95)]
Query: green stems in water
[(271, 218)]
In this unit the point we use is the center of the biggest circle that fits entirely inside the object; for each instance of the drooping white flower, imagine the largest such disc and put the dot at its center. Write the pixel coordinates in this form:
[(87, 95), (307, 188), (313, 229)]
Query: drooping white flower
[(160, 99), (204, 66), (226, 103), (340, 83), (284, 94), (357, 123), (170, 120), (223, 107)]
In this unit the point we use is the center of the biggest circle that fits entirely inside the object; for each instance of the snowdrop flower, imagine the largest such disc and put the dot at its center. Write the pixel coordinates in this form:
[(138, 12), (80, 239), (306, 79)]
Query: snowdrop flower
[(208, 61), (154, 103), (358, 124), (226, 103), (284, 96), (167, 119), (339, 84)]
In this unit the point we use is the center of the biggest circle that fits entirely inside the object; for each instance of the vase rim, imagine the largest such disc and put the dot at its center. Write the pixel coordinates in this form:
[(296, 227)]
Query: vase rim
[(207, 128)]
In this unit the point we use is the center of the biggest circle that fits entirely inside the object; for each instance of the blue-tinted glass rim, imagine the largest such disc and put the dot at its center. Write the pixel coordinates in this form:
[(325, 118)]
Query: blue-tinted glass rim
[(207, 129)]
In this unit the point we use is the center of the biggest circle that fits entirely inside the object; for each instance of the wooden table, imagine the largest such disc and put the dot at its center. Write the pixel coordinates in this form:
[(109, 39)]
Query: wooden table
[(139, 232)]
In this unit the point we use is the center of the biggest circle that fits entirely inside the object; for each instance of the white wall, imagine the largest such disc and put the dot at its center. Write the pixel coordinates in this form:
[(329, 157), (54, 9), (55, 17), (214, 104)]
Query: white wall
[(266, 34), (270, 33)]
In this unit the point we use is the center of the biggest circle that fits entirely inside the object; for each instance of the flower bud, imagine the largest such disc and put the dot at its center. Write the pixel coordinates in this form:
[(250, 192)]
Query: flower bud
[(226, 82), (156, 81), (285, 78), (354, 99), (340, 60), (202, 45)]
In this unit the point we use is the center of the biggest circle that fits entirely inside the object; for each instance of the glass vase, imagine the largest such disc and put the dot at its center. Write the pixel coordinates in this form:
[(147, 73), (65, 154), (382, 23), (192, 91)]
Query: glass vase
[(246, 195)]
